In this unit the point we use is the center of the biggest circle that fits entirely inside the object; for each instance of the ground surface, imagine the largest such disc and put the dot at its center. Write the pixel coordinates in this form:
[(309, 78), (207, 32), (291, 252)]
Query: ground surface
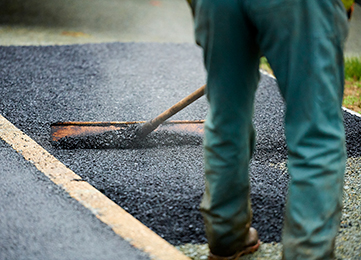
[(49, 22), (161, 184), (37, 22), (39, 221), (41, 85)]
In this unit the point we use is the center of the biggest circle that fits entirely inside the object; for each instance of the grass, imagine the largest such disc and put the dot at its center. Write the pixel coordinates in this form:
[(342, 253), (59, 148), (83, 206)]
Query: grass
[(264, 65), (353, 69), (352, 93)]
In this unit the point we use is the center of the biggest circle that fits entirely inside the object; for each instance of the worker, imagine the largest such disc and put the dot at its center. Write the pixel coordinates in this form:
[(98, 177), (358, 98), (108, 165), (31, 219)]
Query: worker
[(303, 41)]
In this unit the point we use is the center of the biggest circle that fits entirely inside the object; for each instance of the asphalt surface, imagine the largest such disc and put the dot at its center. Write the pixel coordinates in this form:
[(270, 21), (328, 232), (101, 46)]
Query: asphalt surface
[(42, 85), (43, 222), (160, 184)]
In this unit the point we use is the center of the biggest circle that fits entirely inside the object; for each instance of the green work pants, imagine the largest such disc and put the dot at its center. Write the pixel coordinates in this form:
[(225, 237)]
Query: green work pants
[(303, 41)]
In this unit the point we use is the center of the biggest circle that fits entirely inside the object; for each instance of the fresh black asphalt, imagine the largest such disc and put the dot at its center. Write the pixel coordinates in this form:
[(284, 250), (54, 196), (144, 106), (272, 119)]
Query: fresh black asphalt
[(160, 184), (38, 220)]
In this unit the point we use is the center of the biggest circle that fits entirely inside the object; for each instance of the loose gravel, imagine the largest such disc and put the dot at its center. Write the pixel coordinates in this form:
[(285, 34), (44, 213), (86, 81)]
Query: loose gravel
[(348, 241), (161, 184)]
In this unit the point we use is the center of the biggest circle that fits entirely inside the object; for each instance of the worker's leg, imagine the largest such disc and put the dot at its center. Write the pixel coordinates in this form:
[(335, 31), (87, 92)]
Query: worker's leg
[(303, 41), (231, 59)]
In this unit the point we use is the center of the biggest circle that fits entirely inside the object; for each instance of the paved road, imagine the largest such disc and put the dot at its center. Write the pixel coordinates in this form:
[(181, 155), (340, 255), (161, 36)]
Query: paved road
[(82, 21), (38, 220), (38, 22)]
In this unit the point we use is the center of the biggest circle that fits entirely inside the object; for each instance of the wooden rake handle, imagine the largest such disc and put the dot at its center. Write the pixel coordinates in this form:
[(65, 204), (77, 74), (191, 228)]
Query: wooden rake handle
[(152, 124)]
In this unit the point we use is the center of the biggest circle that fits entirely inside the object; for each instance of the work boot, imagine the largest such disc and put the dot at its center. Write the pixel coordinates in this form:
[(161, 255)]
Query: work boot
[(251, 246)]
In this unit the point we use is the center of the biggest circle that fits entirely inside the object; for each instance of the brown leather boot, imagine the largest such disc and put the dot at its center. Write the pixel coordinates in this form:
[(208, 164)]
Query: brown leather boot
[(252, 245)]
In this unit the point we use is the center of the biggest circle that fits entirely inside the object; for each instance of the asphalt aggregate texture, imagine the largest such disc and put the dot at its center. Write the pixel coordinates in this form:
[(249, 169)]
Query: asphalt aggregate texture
[(130, 137), (52, 226), (160, 183), (124, 138)]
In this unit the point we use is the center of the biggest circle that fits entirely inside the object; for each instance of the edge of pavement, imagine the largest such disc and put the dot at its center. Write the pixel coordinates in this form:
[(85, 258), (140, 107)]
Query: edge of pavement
[(121, 222)]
